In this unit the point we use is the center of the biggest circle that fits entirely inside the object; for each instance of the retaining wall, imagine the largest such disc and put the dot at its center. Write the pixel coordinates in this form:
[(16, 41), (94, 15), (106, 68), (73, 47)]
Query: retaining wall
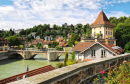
[(3, 55)]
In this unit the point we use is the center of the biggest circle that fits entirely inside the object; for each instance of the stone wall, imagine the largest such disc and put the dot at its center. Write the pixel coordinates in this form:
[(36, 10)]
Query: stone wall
[(75, 74), (3, 55)]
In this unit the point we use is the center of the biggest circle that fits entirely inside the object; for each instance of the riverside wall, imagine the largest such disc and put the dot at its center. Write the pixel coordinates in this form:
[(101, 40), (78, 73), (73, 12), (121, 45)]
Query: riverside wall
[(3, 55), (75, 74)]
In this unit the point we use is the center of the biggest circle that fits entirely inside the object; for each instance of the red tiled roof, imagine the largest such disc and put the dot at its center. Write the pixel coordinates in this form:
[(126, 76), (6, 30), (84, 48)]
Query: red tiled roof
[(82, 46), (47, 42), (102, 19), (109, 46), (21, 38), (3, 41), (63, 44), (87, 60), (28, 73)]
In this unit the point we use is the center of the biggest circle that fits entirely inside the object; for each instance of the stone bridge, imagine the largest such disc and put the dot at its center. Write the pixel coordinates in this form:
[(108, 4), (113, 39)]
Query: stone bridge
[(29, 54)]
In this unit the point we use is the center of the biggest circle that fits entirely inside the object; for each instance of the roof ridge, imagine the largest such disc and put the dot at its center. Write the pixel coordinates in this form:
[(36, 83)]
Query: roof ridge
[(102, 19)]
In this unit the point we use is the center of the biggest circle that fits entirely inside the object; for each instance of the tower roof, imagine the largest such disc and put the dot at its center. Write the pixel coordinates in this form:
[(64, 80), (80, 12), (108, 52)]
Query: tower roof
[(102, 20)]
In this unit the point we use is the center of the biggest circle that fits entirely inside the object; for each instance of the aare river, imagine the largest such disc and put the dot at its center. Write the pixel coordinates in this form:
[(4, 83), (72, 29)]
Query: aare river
[(12, 67)]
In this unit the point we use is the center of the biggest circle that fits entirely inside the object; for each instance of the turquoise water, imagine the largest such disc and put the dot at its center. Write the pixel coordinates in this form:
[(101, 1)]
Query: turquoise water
[(12, 67)]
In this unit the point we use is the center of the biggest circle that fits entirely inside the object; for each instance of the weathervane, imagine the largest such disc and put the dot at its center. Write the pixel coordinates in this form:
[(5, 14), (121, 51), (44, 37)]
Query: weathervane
[(102, 7)]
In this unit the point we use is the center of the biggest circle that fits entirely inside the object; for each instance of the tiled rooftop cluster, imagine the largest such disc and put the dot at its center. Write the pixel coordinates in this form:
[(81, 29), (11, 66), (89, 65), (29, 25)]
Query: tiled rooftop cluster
[(3, 41)]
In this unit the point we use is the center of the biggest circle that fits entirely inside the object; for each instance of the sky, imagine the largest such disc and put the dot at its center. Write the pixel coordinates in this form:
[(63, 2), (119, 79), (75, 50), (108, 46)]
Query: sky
[(23, 14)]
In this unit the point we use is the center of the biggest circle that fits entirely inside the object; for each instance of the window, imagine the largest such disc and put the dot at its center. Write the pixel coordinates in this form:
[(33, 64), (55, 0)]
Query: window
[(106, 28), (103, 53), (111, 33), (94, 33), (106, 32), (93, 53), (94, 28), (100, 27)]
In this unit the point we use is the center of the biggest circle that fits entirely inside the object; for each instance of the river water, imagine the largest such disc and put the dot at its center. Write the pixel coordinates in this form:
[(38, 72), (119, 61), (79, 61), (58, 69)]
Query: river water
[(12, 67)]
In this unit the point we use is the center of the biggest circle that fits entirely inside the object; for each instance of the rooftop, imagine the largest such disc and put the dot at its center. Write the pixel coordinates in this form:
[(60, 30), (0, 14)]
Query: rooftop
[(102, 20), (28, 73)]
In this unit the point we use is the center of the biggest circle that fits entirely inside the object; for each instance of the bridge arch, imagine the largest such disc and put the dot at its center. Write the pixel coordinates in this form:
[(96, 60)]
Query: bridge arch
[(35, 54), (16, 55)]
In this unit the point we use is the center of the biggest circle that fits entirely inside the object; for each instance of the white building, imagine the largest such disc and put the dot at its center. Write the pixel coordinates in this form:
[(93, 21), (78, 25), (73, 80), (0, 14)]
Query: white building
[(96, 50)]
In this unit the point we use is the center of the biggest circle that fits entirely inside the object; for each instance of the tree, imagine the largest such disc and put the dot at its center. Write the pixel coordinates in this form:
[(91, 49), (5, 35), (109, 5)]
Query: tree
[(127, 47), (21, 47), (73, 55), (39, 45), (74, 37), (76, 42), (54, 26), (14, 40), (22, 32), (54, 44), (122, 34), (66, 58), (98, 35)]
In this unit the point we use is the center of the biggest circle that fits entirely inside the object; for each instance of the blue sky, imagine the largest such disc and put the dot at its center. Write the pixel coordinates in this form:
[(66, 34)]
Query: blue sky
[(18, 14)]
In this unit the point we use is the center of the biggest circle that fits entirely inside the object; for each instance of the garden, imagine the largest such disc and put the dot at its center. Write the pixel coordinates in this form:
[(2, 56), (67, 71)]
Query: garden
[(117, 75)]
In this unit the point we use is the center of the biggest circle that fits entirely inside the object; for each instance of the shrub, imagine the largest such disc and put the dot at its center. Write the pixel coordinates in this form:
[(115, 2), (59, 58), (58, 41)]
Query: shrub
[(117, 75), (59, 65), (31, 46), (70, 62)]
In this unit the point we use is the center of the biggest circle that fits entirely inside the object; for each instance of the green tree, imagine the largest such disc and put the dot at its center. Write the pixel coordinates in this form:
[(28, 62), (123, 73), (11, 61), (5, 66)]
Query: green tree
[(73, 55), (21, 47), (14, 40), (74, 37), (127, 47), (122, 34), (39, 45), (55, 27), (66, 58), (98, 35)]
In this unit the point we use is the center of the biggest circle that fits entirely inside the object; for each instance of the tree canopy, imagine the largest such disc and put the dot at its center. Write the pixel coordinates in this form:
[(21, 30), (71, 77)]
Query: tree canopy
[(74, 37), (14, 40)]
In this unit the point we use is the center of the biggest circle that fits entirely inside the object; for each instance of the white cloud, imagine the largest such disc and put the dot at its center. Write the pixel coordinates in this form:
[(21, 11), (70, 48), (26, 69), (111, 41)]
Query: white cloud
[(27, 13)]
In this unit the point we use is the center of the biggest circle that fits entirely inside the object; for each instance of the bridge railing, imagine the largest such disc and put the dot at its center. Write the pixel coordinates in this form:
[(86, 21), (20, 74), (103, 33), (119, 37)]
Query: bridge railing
[(77, 73)]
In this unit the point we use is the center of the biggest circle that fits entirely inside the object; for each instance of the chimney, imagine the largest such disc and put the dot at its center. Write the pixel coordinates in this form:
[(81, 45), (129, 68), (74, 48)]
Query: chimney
[(95, 38), (106, 40)]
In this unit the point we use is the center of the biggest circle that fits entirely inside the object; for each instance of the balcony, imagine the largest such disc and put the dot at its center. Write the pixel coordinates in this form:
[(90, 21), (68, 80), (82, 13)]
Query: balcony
[(92, 38)]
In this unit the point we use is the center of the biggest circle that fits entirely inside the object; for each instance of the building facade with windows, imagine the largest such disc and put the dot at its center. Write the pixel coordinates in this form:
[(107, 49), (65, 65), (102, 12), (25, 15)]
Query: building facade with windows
[(4, 44), (103, 27), (96, 50)]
